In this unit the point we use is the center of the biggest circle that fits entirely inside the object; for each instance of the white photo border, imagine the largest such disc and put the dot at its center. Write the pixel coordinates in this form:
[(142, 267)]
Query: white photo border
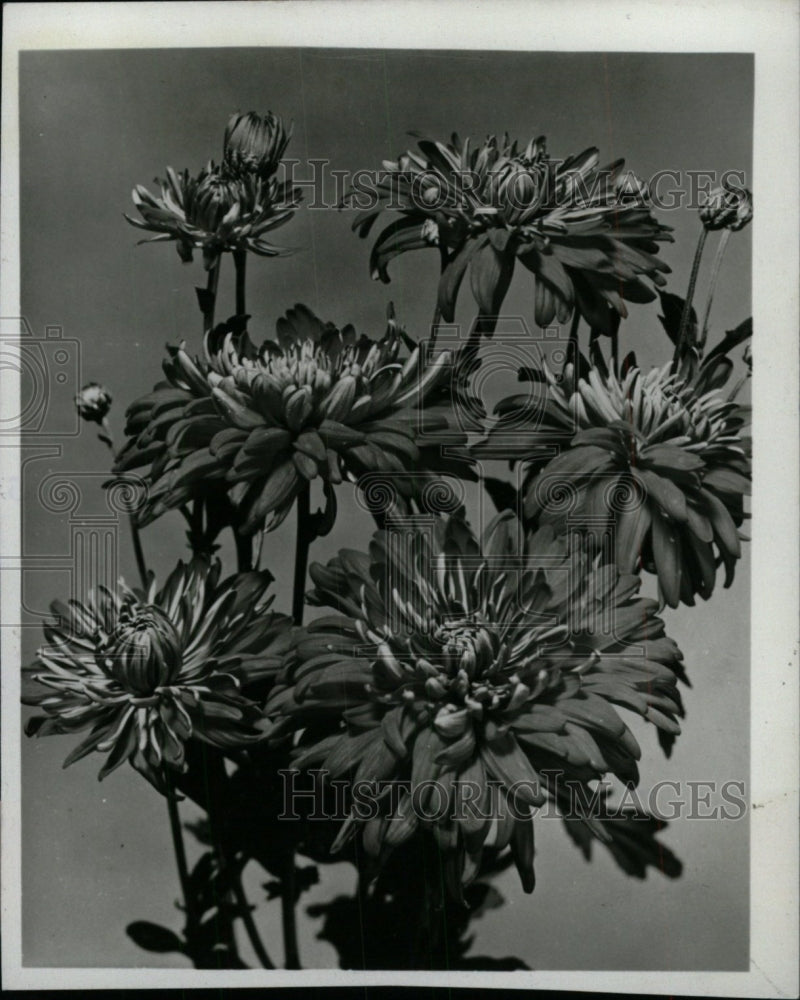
[(766, 28)]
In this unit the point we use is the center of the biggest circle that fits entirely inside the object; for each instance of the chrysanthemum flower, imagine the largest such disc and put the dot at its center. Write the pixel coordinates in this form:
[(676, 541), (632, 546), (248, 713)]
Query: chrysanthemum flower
[(93, 402), (215, 212), (147, 671), (663, 459), (587, 234), (450, 663), (254, 144), (264, 422)]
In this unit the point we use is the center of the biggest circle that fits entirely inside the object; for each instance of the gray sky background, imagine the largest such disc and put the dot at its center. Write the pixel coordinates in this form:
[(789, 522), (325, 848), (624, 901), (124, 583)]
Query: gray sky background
[(95, 123)]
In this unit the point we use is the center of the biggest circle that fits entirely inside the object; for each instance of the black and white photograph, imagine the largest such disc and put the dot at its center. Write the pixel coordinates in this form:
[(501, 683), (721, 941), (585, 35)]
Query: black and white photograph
[(400, 495)]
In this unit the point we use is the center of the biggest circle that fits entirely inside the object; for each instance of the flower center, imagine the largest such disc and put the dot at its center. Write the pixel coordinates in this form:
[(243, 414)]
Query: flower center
[(466, 646), (315, 367), (466, 674), (143, 652)]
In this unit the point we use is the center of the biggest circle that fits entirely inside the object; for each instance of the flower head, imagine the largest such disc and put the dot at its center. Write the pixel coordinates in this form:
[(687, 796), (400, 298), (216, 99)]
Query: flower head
[(729, 206), (464, 664), (665, 460), (587, 234), (93, 402), (216, 212), (318, 402), (254, 144), (145, 671)]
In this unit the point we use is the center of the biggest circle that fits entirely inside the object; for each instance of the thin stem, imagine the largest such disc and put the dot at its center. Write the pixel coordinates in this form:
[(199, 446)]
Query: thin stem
[(194, 519), (249, 923), (138, 552), (240, 263), (107, 438), (210, 304), (464, 361), (687, 305), (721, 247), (259, 547), (444, 260), (435, 321), (288, 920), (215, 770), (304, 538), (244, 551), (615, 352), (180, 853), (572, 343)]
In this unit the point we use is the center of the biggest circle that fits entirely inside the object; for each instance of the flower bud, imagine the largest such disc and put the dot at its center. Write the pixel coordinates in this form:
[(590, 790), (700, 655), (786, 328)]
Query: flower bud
[(143, 652), (727, 207), (93, 402), (215, 197), (254, 144)]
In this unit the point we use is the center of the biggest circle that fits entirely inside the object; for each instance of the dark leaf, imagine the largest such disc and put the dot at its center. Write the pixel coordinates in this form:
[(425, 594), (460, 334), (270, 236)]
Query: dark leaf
[(744, 331), (490, 964), (672, 306), (596, 354), (205, 299), (628, 362), (490, 275), (452, 276), (528, 374), (154, 937), (609, 328), (504, 496), (304, 879)]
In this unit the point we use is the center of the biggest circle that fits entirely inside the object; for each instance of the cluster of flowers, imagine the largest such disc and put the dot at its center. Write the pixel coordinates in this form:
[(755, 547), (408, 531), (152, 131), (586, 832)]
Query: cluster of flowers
[(446, 657), (229, 207)]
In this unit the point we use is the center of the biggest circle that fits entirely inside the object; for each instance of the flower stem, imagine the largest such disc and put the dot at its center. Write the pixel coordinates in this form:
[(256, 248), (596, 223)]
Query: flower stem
[(249, 924), (244, 552), (210, 302), (108, 438), (138, 551), (721, 247), (465, 361), (435, 321), (240, 263), (215, 769), (305, 536), (180, 854), (615, 352), (288, 920), (444, 260), (687, 305), (573, 343)]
